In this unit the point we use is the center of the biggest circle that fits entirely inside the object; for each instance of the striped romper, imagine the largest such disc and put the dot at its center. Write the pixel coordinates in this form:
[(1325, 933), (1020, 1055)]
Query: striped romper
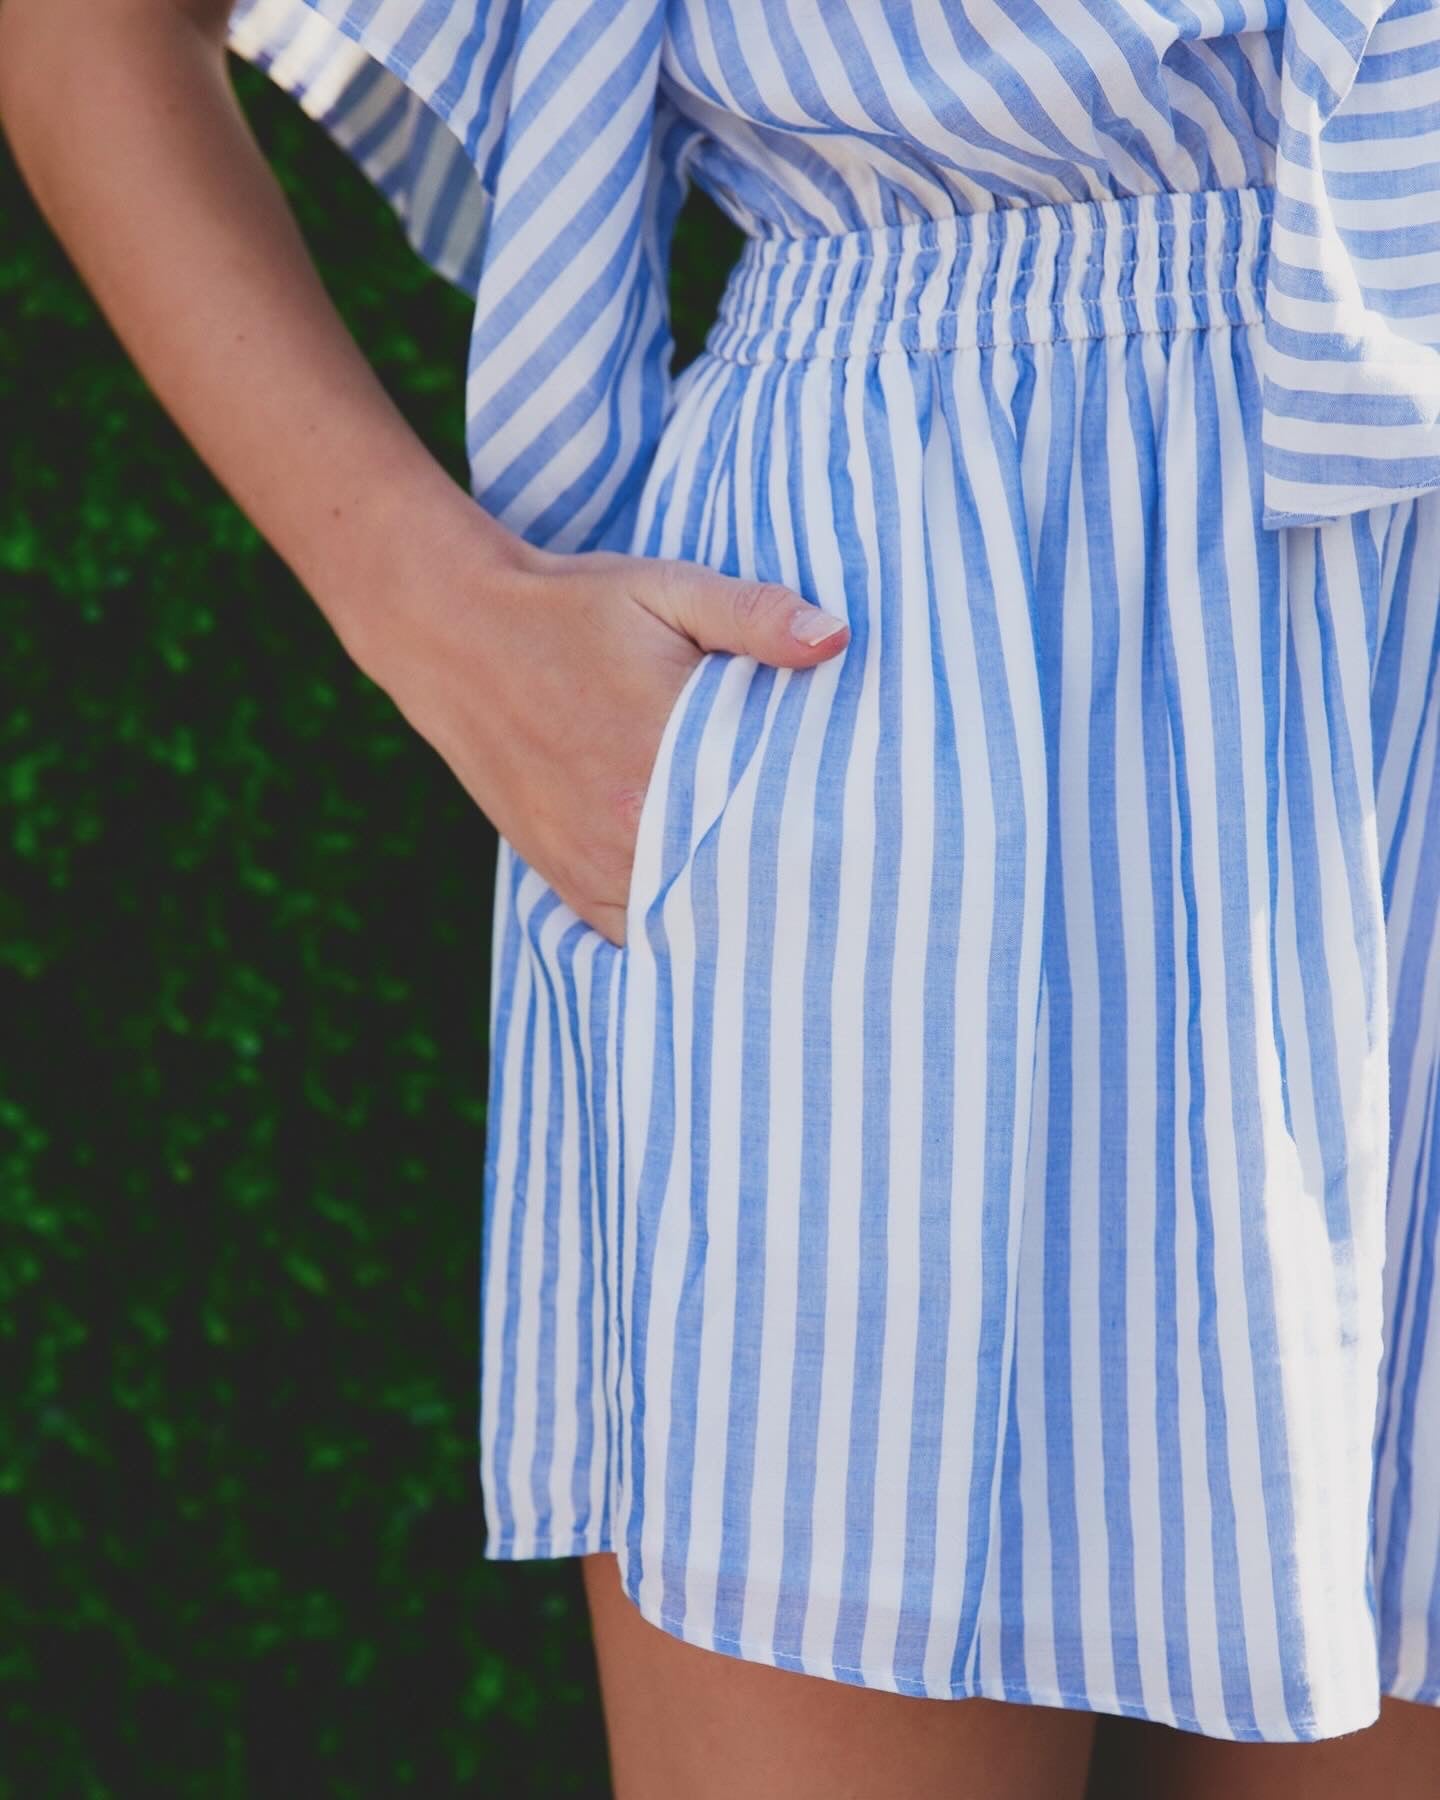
[(978, 1235)]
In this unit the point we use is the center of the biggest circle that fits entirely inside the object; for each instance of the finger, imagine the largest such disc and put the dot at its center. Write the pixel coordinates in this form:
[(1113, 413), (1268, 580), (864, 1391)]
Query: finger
[(763, 619), (608, 920)]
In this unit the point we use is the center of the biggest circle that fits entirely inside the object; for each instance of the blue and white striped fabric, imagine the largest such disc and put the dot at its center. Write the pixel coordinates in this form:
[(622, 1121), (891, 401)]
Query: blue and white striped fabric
[(978, 1235)]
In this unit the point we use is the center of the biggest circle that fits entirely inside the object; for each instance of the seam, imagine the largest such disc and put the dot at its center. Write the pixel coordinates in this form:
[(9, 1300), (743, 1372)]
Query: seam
[(1193, 201), (983, 343)]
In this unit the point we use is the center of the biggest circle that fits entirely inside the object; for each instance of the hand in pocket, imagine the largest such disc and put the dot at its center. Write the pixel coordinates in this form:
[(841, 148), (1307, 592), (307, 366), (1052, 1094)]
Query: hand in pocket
[(546, 684)]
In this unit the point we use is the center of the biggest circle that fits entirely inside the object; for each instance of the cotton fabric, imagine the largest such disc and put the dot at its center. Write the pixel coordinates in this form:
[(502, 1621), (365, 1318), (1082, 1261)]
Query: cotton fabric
[(977, 1236)]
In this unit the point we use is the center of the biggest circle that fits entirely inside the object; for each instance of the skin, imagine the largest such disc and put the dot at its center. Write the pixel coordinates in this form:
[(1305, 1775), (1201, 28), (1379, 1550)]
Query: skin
[(692, 1722), (1397, 1758), (682, 1720), (544, 681)]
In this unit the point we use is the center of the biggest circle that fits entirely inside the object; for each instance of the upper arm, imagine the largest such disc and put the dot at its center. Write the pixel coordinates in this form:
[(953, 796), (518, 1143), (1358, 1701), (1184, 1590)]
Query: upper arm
[(38, 35), (211, 15)]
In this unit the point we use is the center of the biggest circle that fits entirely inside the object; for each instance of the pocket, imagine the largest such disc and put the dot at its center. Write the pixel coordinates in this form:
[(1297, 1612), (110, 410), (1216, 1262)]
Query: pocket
[(671, 773)]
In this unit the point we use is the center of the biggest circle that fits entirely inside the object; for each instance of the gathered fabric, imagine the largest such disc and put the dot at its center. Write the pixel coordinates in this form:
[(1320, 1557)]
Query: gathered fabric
[(977, 1235), (540, 164)]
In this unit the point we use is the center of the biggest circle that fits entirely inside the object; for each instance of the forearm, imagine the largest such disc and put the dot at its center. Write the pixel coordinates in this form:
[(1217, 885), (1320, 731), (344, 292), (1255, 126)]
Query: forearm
[(121, 116)]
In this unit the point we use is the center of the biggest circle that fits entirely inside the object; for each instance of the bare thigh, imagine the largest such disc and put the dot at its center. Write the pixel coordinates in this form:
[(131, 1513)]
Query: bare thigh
[(1398, 1758), (692, 1722)]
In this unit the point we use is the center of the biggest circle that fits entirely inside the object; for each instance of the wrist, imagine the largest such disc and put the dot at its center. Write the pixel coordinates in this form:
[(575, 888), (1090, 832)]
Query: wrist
[(419, 539)]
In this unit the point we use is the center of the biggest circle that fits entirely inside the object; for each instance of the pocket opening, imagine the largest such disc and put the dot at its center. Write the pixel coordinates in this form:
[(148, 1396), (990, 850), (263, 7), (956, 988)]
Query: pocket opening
[(648, 865)]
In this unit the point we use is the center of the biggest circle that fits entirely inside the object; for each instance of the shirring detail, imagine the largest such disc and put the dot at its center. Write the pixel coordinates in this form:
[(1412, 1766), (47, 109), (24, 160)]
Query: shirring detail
[(1016, 275)]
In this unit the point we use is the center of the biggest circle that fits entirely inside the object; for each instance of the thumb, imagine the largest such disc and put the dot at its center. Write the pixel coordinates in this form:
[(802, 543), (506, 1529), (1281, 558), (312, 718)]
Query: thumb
[(763, 619)]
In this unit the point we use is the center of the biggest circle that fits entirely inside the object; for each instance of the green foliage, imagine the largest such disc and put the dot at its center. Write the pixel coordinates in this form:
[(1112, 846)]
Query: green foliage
[(244, 935)]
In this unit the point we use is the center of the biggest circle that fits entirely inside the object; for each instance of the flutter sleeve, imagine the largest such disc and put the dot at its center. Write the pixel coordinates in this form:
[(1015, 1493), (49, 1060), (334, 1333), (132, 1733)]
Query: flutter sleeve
[(416, 92), (524, 149), (1352, 328)]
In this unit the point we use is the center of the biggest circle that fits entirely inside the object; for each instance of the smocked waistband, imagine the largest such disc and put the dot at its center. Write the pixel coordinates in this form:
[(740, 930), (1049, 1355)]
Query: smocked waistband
[(1031, 274)]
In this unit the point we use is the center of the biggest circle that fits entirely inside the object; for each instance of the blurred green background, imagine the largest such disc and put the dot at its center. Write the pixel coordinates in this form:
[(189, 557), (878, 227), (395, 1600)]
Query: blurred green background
[(244, 933)]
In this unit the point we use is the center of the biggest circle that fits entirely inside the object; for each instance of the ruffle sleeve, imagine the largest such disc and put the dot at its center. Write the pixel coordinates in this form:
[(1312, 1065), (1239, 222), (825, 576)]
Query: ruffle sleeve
[(524, 149), (414, 92), (1351, 407)]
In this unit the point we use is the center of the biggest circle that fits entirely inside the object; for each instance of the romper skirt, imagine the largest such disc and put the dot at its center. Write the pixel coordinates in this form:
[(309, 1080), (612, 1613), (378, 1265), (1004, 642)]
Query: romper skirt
[(977, 1236)]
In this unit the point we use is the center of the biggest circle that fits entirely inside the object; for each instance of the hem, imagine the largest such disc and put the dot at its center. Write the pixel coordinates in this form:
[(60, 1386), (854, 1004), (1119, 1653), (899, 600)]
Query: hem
[(434, 185), (1341, 504), (538, 1546), (992, 1688), (1420, 1693)]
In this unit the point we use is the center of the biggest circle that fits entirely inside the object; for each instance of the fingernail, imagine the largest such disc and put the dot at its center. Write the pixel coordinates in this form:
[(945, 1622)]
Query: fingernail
[(812, 626)]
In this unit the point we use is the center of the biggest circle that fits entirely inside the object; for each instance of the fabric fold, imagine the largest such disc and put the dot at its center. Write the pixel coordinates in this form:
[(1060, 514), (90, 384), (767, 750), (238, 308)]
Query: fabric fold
[(415, 94), (530, 164), (1352, 322), (538, 169)]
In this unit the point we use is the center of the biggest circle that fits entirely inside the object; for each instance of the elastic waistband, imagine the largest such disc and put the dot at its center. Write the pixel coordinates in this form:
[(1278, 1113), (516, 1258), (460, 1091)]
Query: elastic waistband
[(1031, 274)]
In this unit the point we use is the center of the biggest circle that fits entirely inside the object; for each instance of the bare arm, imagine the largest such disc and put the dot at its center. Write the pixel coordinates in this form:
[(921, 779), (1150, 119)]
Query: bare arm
[(123, 121), (543, 680)]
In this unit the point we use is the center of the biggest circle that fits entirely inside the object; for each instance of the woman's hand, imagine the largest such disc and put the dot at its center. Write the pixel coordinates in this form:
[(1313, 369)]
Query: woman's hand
[(545, 681)]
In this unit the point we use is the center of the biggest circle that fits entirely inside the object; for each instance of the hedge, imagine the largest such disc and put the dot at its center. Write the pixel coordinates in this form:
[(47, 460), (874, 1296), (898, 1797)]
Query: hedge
[(244, 923)]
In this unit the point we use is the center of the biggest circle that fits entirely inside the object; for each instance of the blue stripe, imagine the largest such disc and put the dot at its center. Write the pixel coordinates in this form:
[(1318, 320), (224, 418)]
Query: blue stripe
[(937, 1110), (977, 201), (1159, 789), (1002, 1001), (876, 1024), (1108, 878), (1050, 556), (821, 954), (1234, 1674), (1381, 472)]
